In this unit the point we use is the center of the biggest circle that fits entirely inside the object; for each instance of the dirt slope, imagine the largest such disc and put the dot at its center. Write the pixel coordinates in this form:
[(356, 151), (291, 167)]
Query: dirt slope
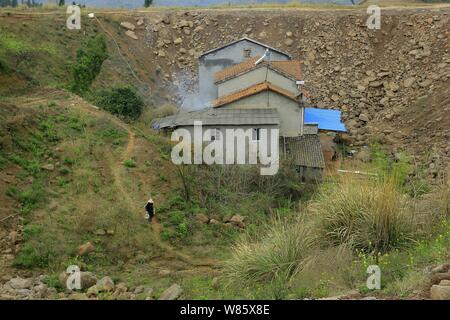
[(131, 187), (376, 77)]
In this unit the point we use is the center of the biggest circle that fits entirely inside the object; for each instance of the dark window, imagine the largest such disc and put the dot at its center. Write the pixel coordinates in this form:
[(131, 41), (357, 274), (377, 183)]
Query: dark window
[(257, 134), (247, 53)]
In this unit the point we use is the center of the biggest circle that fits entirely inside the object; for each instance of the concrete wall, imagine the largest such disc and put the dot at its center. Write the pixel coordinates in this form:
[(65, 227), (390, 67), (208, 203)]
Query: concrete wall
[(222, 130), (309, 174), (289, 110), (218, 60), (256, 76)]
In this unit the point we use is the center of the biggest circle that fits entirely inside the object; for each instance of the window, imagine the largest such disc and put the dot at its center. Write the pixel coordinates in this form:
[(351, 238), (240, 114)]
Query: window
[(257, 134), (247, 53), (215, 134)]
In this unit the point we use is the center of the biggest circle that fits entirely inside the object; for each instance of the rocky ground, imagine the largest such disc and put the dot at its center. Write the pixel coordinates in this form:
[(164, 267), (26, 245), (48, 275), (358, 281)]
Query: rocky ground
[(391, 84)]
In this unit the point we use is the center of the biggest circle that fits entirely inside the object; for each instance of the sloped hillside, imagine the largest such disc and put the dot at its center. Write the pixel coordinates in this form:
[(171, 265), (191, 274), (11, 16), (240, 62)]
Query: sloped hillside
[(376, 77), (71, 174)]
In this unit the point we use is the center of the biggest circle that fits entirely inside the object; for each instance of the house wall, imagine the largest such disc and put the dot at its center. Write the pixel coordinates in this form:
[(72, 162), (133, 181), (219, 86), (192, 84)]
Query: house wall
[(218, 60), (256, 76), (289, 110), (222, 129), (309, 173)]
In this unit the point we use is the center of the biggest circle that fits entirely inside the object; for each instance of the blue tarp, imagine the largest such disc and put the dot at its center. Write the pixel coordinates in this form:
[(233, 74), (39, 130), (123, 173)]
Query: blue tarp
[(325, 118)]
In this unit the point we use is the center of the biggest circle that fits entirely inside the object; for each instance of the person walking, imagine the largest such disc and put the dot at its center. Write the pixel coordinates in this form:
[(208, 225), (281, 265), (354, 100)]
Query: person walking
[(150, 209)]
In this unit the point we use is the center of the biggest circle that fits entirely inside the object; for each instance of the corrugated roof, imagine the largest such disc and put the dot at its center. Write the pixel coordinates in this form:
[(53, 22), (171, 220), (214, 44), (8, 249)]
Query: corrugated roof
[(326, 119), (290, 69), (214, 117), (257, 88), (306, 150), (243, 39)]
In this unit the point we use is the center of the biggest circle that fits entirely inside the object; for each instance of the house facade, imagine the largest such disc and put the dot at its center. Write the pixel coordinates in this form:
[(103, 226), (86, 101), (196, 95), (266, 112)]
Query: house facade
[(217, 59), (252, 87)]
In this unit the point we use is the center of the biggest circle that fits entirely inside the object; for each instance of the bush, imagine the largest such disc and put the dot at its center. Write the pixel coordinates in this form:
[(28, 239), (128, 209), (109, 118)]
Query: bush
[(122, 101), (372, 216), (88, 63), (283, 251), (129, 163)]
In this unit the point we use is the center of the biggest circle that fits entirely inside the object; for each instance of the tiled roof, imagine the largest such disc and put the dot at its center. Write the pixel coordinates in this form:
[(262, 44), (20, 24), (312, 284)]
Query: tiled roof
[(221, 117), (246, 39), (291, 69), (306, 150), (235, 69), (257, 88)]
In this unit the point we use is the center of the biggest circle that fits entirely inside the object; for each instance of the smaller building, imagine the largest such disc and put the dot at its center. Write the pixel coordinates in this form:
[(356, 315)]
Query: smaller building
[(306, 155), (229, 54)]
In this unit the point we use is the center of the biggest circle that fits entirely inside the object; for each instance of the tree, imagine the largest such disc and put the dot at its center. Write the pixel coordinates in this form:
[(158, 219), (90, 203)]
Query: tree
[(122, 101), (88, 63), (148, 3), (62, 3)]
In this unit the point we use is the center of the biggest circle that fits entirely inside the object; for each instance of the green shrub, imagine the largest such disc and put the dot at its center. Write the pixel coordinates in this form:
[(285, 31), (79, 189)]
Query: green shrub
[(88, 63), (33, 257), (29, 197), (129, 163), (121, 101)]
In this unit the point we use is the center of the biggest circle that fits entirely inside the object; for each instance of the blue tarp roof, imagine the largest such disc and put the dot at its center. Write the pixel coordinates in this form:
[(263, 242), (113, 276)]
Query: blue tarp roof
[(325, 118)]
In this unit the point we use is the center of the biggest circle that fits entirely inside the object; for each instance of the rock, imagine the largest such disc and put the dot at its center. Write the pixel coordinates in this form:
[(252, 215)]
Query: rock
[(375, 84), (438, 277), (100, 232), (178, 41), (445, 283), (164, 272), (409, 82), (87, 279), (131, 34), (439, 292), (364, 117), (48, 167), (105, 284), (214, 221), (161, 53), (139, 290), (201, 218), (127, 25), (215, 284), (19, 283), (85, 249), (41, 290), (93, 291), (238, 221), (171, 293), (289, 34), (425, 83), (78, 296), (121, 288), (140, 22), (289, 42), (442, 268)]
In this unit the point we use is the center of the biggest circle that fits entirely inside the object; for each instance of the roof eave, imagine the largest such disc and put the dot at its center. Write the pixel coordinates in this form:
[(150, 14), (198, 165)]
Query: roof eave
[(248, 39)]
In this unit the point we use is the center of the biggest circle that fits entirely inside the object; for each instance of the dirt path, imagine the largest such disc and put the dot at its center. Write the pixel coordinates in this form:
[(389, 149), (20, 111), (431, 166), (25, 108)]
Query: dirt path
[(118, 170)]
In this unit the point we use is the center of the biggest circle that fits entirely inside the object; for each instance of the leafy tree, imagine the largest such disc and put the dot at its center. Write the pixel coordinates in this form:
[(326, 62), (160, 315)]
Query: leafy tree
[(88, 63), (148, 3), (122, 101), (62, 3)]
